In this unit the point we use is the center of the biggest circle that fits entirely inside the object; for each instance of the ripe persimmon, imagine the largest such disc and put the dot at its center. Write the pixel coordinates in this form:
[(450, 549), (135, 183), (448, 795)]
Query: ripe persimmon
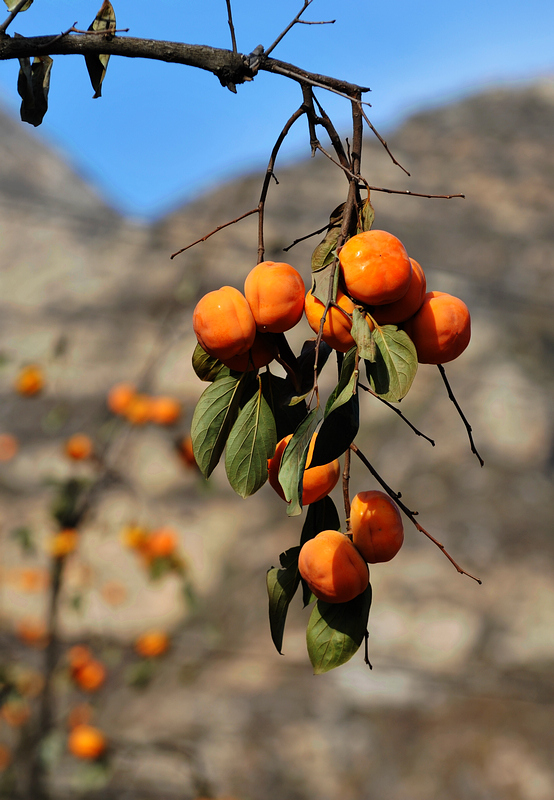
[(160, 543), (152, 643), (16, 711), (223, 323), (376, 523), (164, 410), (32, 632), (337, 325), (9, 445), (318, 481), (78, 656), (120, 396), (186, 452), (139, 409), (408, 305), (79, 447), (86, 741), (30, 380), (441, 329), (90, 676), (332, 567), (63, 543), (262, 353), (275, 293), (375, 267)]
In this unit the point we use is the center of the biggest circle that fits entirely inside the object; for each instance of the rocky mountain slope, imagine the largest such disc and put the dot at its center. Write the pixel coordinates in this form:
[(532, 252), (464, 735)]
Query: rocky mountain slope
[(457, 706)]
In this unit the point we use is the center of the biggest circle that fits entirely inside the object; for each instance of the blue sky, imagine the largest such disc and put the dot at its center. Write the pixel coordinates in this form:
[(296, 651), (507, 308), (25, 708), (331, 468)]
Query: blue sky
[(162, 133)]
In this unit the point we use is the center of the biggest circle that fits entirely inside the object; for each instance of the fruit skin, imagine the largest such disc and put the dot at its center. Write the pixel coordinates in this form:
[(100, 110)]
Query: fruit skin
[(337, 326), (408, 305), (318, 481), (223, 323), (30, 380), (87, 742), (262, 353), (160, 543), (152, 643), (375, 267), (275, 293), (441, 329), (376, 523), (333, 568), (90, 676), (139, 409), (79, 447)]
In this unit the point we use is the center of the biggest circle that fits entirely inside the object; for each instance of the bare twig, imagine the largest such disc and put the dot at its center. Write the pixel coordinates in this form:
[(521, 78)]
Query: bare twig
[(289, 26), (8, 21), (461, 413), (396, 411), (383, 142), (231, 26), (216, 230), (408, 513), (303, 238), (320, 22)]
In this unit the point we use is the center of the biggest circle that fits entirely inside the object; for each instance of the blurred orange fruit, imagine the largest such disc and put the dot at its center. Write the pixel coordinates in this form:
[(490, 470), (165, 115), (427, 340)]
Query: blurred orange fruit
[(164, 410), (161, 543), (32, 632), (16, 712), (139, 409), (152, 643), (86, 741), (119, 397), (9, 445), (79, 446), (29, 381), (63, 543), (90, 676)]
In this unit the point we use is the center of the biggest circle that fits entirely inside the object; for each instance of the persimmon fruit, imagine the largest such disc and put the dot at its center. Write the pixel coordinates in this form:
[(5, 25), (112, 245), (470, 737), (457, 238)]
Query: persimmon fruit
[(160, 543), (375, 267), (90, 676), (338, 323), (376, 524), (318, 481), (120, 396), (152, 644), (30, 380), (441, 329), (223, 323), (408, 305), (164, 410), (275, 293), (87, 742), (79, 447), (332, 567)]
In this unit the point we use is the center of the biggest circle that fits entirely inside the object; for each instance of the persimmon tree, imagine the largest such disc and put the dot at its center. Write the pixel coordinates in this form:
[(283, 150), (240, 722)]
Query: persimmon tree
[(249, 408)]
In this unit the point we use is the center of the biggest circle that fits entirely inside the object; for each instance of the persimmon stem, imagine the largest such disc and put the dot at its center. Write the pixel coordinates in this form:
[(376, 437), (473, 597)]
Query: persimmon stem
[(461, 413), (410, 514)]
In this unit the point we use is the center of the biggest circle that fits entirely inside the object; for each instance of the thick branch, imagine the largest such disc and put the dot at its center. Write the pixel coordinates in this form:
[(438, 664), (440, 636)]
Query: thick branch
[(229, 67)]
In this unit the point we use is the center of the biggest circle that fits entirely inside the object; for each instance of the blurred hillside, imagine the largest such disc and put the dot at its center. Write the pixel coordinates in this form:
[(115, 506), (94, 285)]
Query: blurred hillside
[(459, 703)]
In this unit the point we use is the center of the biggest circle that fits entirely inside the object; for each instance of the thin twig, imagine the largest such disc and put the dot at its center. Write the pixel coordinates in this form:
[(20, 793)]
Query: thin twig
[(320, 22), (216, 230), (308, 236), (383, 142), (269, 174), (289, 26), (12, 16), (461, 413), (408, 193), (396, 411), (231, 26), (408, 513)]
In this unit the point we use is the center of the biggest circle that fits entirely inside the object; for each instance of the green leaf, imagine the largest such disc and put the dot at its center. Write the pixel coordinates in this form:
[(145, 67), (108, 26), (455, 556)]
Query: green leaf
[(278, 391), (342, 415), (336, 630), (321, 283), (252, 441), (324, 253), (281, 588), (98, 64), (366, 216), (293, 462), (33, 84), (321, 516), (13, 3), (207, 367), (213, 418), (395, 366), (363, 335)]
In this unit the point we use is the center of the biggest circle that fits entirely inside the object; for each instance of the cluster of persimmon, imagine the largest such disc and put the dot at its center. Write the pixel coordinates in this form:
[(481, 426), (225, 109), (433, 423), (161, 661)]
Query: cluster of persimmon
[(376, 275), (86, 672), (157, 548), (140, 408)]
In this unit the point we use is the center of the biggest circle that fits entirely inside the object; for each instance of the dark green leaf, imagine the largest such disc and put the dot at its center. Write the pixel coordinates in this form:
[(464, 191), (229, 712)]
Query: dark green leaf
[(321, 283), (251, 442), (336, 631), (342, 415), (213, 418), (98, 64), (291, 471), (281, 588), (363, 335), (277, 391), (395, 366), (207, 367), (33, 84)]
